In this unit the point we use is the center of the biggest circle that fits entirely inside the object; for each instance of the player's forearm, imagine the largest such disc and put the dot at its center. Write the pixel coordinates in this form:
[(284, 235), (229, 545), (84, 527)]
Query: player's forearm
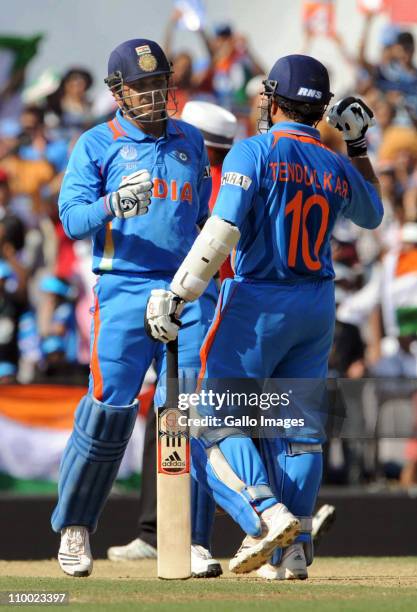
[(364, 167), (80, 219), (210, 249)]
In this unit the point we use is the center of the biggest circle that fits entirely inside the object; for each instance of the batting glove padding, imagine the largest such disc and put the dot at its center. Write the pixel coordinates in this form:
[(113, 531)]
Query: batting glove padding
[(162, 315), (133, 195), (352, 117)]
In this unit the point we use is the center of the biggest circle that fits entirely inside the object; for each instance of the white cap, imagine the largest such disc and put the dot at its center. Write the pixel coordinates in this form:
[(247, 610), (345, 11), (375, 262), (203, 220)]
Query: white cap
[(217, 125), (255, 85), (409, 233)]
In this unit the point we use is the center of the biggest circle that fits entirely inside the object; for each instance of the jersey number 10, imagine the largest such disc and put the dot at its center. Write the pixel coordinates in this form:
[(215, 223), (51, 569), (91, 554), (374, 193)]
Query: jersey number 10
[(300, 212)]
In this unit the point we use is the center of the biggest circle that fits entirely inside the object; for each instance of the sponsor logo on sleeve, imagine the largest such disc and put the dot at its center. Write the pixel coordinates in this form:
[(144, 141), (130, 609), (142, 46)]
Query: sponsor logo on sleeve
[(207, 172), (239, 180)]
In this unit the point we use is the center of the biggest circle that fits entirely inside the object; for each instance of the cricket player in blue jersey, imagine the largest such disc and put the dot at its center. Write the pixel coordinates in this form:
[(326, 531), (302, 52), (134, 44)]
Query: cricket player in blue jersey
[(281, 194), (139, 185)]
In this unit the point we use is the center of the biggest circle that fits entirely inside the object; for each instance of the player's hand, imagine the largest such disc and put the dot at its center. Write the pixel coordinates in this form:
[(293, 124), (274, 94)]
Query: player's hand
[(352, 117), (162, 315), (133, 195)]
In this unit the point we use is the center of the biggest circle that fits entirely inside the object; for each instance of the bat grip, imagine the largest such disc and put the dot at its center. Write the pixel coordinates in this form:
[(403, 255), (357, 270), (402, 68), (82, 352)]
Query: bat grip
[(172, 374)]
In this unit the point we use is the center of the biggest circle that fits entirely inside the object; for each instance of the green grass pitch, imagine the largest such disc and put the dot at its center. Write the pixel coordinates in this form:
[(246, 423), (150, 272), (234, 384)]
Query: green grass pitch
[(335, 584)]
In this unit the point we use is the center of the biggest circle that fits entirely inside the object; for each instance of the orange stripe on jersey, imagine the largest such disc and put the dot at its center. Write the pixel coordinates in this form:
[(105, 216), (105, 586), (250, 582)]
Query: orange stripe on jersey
[(208, 342), (233, 259), (95, 364), (116, 128), (301, 138)]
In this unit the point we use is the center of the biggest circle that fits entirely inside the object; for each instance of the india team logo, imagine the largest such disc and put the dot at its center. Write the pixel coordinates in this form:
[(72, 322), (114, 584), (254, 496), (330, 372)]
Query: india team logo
[(129, 152), (148, 62)]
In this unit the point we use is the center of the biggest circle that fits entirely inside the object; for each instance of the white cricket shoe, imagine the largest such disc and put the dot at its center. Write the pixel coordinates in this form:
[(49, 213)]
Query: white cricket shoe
[(135, 550), (322, 521), (279, 528), (202, 563), (74, 554), (293, 565)]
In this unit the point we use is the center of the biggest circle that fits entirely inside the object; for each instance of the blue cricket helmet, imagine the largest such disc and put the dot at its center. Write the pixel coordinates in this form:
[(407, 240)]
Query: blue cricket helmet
[(138, 58), (129, 63), (299, 78)]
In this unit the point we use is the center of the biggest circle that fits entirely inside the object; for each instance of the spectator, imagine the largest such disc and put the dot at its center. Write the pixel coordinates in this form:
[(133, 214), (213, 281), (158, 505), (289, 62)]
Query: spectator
[(59, 329), (12, 307), (69, 106), (234, 64), (37, 144), (17, 52), (231, 65), (26, 177)]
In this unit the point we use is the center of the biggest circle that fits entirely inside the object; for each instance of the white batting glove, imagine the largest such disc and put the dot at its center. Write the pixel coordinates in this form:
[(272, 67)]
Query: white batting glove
[(162, 315), (133, 195), (352, 117)]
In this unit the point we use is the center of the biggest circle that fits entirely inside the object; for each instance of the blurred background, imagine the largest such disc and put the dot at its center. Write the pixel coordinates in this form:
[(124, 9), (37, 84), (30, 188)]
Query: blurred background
[(52, 64)]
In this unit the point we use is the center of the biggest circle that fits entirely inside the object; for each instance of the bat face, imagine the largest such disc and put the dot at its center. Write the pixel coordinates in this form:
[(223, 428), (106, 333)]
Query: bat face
[(173, 481), (173, 443)]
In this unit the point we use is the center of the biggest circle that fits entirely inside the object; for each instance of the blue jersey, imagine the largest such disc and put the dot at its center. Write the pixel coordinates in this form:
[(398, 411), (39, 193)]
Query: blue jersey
[(284, 190), (155, 243)]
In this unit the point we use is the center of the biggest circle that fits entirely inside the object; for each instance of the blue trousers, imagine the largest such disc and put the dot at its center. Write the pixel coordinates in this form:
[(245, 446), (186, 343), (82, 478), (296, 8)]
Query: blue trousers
[(121, 353), (267, 330)]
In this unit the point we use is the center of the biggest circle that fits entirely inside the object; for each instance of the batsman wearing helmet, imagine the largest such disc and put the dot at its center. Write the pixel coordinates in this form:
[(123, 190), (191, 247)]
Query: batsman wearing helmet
[(281, 194), (139, 185)]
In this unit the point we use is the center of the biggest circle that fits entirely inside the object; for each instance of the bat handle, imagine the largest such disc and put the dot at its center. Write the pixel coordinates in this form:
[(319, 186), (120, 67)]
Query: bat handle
[(172, 374)]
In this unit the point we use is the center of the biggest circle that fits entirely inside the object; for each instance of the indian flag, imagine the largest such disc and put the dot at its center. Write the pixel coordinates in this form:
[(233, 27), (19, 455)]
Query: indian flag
[(36, 422), (400, 286)]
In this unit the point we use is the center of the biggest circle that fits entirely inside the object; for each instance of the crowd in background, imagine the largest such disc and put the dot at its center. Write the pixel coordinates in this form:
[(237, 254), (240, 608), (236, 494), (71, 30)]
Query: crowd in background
[(45, 278)]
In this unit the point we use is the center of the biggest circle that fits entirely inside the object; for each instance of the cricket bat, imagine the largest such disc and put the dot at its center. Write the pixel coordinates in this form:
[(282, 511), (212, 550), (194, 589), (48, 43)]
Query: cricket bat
[(173, 481)]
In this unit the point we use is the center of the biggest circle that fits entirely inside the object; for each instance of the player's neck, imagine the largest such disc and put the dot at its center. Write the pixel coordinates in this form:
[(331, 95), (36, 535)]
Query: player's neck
[(155, 128), (281, 118)]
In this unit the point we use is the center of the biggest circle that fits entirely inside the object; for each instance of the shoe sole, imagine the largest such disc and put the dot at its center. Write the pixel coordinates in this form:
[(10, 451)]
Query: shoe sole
[(124, 559), (263, 551), (213, 571), (292, 576), (287, 575), (78, 574)]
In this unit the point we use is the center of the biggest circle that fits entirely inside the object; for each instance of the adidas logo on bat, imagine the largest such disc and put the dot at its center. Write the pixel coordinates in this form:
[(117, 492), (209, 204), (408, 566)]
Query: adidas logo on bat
[(173, 461)]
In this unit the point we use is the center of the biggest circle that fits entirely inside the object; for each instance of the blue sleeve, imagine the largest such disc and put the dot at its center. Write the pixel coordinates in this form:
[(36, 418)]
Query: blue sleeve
[(204, 187), (82, 208), (239, 183), (363, 206)]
